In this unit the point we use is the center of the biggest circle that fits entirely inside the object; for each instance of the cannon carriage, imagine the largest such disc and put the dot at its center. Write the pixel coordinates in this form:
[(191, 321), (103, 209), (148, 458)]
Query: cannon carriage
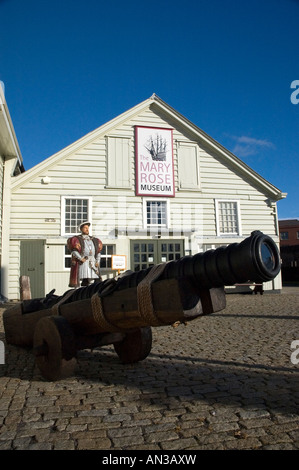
[(121, 311)]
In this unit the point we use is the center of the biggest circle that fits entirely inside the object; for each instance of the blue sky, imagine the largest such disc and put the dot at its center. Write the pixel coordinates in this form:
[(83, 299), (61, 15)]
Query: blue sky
[(69, 66)]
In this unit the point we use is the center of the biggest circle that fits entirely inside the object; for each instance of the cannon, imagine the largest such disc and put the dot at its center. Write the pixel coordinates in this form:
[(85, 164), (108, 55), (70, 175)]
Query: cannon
[(121, 311)]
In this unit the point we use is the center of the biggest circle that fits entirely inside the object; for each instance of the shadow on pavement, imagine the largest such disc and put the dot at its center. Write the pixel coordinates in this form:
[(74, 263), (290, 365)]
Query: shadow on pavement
[(166, 375)]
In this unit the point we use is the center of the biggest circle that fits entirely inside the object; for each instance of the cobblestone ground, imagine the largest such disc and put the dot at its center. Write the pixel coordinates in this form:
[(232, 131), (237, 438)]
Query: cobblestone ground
[(225, 381)]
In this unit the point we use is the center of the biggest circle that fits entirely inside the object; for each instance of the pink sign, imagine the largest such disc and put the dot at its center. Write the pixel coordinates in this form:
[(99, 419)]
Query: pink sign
[(154, 162)]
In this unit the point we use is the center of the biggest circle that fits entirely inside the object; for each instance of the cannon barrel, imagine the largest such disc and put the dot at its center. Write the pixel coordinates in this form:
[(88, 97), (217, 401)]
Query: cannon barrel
[(255, 259)]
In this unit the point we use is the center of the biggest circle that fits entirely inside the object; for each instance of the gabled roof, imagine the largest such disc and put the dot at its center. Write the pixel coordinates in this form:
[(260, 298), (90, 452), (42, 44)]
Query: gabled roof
[(155, 101)]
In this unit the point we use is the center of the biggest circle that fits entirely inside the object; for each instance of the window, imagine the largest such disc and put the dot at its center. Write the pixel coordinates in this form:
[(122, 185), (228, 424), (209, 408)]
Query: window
[(106, 256), (284, 235), (67, 257), (228, 217), (74, 212), (297, 235), (155, 213), (118, 162)]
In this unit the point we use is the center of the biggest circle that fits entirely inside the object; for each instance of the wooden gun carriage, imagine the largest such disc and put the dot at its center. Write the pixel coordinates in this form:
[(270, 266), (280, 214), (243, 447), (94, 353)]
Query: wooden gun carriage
[(121, 311)]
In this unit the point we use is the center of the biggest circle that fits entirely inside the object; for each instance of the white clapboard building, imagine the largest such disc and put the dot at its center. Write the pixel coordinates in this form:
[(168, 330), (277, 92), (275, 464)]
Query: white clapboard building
[(11, 164), (154, 186)]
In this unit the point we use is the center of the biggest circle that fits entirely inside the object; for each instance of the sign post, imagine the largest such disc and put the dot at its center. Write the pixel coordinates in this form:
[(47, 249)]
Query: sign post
[(119, 263)]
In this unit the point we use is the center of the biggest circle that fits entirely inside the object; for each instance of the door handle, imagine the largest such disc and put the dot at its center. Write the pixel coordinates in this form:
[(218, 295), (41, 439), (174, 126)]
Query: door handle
[(31, 269)]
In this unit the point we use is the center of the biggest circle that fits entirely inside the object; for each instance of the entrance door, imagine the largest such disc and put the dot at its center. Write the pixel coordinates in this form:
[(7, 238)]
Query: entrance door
[(32, 265), (146, 253)]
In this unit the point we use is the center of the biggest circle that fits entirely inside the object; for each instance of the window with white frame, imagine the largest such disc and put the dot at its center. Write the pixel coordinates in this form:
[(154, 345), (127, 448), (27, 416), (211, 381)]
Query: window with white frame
[(228, 217), (155, 213), (106, 257), (67, 257), (75, 210)]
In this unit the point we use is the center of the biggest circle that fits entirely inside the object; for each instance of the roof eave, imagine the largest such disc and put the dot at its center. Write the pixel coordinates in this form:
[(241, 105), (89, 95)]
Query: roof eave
[(10, 144)]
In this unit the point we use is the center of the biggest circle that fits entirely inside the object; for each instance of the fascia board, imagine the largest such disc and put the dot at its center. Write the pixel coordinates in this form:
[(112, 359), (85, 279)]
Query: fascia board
[(9, 128)]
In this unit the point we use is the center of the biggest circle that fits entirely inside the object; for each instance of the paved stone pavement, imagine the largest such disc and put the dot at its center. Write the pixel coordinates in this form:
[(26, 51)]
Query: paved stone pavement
[(225, 381)]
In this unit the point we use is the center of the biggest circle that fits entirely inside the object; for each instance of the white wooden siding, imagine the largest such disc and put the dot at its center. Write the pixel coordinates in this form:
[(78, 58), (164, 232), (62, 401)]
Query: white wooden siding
[(14, 270)]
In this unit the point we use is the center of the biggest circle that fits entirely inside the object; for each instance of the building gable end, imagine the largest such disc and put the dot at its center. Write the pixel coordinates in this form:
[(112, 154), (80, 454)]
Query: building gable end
[(155, 104)]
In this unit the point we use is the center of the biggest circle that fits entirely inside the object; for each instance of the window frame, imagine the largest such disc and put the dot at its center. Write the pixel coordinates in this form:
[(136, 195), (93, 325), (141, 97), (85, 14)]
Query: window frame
[(149, 226), (217, 211), (63, 213), (105, 245), (67, 255), (282, 237)]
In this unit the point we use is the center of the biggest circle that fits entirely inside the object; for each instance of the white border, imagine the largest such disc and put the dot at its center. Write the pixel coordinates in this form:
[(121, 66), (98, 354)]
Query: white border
[(141, 133), (123, 258)]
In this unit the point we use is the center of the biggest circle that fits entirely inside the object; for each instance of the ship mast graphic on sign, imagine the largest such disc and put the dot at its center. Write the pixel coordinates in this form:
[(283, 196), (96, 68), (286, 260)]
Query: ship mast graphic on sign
[(157, 148)]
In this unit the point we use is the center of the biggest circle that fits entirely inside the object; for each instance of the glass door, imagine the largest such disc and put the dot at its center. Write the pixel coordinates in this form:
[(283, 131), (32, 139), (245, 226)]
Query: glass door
[(143, 254), (170, 250), (147, 253)]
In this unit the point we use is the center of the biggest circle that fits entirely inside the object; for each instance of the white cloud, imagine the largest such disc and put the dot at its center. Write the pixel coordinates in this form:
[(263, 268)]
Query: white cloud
[(246, 146)]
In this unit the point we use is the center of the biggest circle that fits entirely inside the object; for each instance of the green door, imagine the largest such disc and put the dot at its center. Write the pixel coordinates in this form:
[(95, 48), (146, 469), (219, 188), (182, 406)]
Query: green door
[(32, 265), (146, 253)]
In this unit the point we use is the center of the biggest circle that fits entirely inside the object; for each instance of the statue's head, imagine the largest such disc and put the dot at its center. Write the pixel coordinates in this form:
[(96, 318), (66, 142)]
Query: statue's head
[(84, 228)]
